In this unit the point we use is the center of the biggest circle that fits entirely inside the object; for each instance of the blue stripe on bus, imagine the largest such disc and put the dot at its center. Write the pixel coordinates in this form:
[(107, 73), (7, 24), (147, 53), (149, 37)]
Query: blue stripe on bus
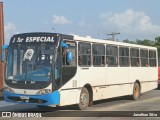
[(51, 98)]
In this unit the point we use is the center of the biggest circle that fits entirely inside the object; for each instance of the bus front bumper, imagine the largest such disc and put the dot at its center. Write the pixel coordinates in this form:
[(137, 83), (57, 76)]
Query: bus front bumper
[(51, 99)]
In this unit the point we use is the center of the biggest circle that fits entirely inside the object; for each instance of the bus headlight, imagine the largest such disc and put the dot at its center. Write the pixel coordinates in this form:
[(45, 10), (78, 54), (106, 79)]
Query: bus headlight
[(8, 89), (44, 91)]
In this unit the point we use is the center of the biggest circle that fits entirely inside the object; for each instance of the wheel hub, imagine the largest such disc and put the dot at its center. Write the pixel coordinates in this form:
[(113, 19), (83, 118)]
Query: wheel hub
[(84, 98), (136, 92)]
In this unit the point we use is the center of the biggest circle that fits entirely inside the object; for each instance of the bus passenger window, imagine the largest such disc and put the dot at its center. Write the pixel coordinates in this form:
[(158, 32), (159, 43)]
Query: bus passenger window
[(152, 58), (98, 51), (144, 58), (134, 55), (111, 56), (138, 64), (103, 60), (124, 57), (84, 51)]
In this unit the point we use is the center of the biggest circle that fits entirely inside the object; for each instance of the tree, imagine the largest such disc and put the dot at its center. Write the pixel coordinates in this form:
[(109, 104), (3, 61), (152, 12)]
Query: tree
[(157, 44), (128, 41), (157, 41), (145, 42)]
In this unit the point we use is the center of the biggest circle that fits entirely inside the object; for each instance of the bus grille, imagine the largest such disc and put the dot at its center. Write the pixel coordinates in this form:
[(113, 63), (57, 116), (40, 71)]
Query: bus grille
[(31, 100)]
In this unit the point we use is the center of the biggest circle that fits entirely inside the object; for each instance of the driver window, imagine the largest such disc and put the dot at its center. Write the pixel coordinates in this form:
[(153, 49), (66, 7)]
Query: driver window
[(71, 48)]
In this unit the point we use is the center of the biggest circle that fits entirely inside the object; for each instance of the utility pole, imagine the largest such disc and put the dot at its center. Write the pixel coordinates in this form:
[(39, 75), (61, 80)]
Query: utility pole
[(1, 44), (113, 34)]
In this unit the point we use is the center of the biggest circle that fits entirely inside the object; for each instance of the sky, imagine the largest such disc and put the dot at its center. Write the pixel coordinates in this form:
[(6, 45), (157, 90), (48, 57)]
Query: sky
[(134, 19)]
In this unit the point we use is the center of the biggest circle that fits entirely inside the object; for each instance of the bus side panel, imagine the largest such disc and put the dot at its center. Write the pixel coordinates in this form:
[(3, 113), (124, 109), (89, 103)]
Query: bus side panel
[(69, 97), (110, 91), (116, 84), (94, 76), (118, 76), (135, 74), (70, 92), (153, 76), (148, 78)]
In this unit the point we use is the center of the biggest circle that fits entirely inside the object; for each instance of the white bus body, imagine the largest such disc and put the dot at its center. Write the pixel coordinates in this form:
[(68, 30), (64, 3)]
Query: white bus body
[(108, 82), (104, 81)]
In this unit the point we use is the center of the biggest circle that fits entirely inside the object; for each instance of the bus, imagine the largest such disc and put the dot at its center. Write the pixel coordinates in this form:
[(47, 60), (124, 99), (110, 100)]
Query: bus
[(52, 69)]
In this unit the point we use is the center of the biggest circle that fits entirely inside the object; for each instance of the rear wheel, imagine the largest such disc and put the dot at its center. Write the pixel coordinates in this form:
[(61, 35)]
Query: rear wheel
[(84, 99), (136, 91)]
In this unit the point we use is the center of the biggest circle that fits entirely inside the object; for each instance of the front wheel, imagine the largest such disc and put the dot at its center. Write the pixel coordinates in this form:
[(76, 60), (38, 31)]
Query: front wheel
[(84, 99), (136, 91)]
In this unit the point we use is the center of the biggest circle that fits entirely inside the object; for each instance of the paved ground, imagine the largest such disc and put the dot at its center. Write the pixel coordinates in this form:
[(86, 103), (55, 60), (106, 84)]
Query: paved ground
[(4, 104)]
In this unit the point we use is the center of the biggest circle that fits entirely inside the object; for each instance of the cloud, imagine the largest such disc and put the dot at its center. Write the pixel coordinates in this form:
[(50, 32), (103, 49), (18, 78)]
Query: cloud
[(9, 30), (9, 27), (130, 22), (60, 20)]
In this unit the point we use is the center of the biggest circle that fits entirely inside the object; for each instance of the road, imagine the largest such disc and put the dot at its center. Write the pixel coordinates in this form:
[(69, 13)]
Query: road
[(149, 101)]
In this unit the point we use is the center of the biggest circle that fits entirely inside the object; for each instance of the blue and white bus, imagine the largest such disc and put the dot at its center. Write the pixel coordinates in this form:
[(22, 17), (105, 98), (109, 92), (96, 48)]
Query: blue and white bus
[(51, 69)]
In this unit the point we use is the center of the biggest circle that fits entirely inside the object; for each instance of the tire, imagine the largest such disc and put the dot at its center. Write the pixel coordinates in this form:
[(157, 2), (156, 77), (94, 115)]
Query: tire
[(136, 91), (84, 99)]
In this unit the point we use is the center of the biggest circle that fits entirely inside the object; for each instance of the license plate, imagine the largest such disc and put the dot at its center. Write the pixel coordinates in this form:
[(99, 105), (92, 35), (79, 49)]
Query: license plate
[(24, 97)]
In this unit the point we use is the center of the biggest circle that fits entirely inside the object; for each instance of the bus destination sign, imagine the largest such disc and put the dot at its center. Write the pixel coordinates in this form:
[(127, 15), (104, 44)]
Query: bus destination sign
[(33, 38)]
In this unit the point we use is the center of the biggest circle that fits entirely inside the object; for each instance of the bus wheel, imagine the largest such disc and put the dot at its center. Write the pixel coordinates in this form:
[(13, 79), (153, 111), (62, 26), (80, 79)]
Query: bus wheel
[(136, 91), (84, 99)]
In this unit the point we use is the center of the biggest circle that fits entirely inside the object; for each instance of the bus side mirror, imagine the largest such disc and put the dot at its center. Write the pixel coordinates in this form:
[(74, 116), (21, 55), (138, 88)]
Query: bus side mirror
[(4, 52), (64, 45), (69, 57)]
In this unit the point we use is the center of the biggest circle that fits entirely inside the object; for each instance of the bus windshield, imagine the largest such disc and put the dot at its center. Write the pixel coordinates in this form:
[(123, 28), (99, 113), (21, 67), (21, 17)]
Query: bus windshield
[(29, 63)]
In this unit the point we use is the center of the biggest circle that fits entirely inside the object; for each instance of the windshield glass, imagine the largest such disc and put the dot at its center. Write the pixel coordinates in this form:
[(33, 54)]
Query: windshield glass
[(29, 63)]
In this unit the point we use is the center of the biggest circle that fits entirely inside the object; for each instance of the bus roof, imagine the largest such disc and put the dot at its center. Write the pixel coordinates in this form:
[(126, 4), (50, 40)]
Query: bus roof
[(86, 39)]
